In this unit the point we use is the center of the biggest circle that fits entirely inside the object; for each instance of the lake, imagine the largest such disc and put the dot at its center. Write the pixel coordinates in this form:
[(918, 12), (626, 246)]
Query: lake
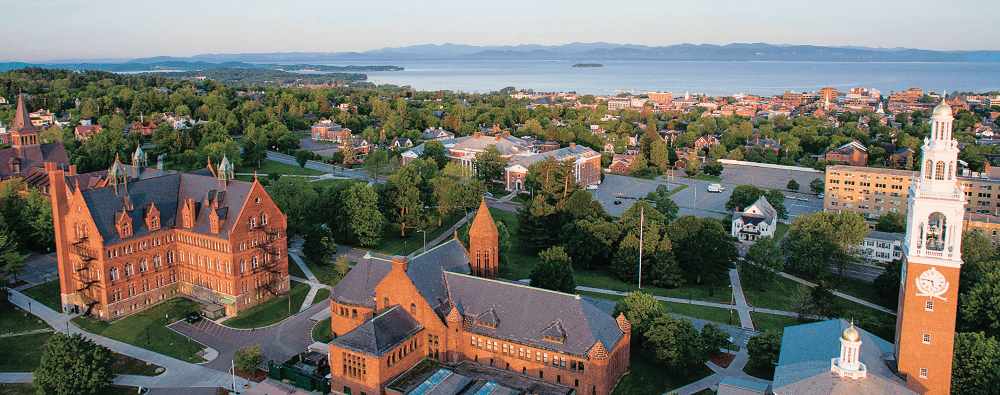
[(711, 77)]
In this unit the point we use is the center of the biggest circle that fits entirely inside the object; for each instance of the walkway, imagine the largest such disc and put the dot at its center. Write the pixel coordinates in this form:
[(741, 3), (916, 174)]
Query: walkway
[(314, 284), (741, 301), (735, 369), (689, 301), (178, 373), (444, 236), (842, 295)]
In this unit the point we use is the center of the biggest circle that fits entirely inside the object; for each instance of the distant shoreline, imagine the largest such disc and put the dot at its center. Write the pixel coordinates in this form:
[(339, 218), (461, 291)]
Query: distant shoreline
[(587, 65)]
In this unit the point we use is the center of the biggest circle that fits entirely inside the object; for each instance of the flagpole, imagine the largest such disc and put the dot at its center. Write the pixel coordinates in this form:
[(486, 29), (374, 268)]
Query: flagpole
[(642, 221)]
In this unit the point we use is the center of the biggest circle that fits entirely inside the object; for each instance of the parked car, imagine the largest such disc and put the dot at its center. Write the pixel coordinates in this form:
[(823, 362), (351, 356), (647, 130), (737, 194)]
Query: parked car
[(193, 317), (716, 188), (592, 187), (820, 196), (617, 202)]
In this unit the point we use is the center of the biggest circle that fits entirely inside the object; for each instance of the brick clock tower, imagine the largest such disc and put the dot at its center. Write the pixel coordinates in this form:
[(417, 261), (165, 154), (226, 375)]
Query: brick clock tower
[(928, 298), (483, 244)]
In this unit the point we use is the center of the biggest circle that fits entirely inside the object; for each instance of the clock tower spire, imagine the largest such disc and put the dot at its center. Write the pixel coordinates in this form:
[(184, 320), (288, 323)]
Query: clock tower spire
[(928, 300)]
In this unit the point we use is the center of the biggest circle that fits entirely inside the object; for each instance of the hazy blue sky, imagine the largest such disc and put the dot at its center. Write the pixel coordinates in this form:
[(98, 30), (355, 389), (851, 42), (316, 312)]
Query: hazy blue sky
[(57, 29)]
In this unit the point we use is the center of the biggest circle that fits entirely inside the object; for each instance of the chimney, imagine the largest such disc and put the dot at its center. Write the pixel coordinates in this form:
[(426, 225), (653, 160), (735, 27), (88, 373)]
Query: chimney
[(399, 262), (497, 137), (986, 167), (50, 166), (477, 135), (72, 170), (572, 145)]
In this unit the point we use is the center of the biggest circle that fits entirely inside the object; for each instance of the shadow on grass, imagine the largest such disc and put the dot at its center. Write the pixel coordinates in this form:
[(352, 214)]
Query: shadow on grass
[(271, 311)]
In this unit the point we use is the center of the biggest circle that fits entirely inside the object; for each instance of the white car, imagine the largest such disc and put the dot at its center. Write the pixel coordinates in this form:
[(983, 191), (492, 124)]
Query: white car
[(716, 188), (592, 187)]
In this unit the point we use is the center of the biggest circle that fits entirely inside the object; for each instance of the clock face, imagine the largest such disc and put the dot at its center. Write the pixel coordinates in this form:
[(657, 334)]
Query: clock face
[(932, 283)]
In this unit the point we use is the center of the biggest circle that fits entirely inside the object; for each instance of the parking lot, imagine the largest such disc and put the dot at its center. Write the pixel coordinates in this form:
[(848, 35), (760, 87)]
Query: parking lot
[(768, 178)]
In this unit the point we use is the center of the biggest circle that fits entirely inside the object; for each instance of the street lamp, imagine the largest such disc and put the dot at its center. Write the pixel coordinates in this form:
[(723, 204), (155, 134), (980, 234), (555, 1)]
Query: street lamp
[(425, 240), (732, 301)]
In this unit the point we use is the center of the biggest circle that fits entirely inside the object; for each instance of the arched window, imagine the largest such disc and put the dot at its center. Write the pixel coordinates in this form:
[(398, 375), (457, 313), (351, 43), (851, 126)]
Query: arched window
[(263, 219), (939, 171), (386, 301), (113, 274), (253, 222), (413, 309), (143, 265), (157, 261), (129, 270), (928, 168), (253, 261), (951, 170), (243, 265)]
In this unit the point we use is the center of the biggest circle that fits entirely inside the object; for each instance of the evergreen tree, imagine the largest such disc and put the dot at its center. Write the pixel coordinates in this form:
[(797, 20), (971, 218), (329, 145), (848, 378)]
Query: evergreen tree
[(554, 271), (73, 365), (675, 343)]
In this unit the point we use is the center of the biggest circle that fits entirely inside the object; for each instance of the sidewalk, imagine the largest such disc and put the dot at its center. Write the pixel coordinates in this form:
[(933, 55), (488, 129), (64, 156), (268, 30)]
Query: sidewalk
[(177, 373), (842, 295)]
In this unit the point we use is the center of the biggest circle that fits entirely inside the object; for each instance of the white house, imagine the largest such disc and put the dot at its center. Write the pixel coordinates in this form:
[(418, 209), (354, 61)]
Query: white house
[(758, 220), (882, 246)]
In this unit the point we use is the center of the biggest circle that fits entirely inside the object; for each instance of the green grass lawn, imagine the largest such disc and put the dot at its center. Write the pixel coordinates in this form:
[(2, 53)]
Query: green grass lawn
[(706, 177), (779, 295), (270, 166), (606, 280), (22, 353), (713, 314), (322, 332), (327, 183), (47, 294), (326, 274), (15, 320), (154, 320), (855, 287), (392, 244), (293, 268), (647, 377), (775, 323), (677, 188), (780, 230), (321, 295), (272, 311)]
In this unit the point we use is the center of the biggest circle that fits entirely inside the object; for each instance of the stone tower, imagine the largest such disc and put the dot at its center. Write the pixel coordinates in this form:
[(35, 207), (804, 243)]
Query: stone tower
[(928, 299), (22, 133), (483, 244)]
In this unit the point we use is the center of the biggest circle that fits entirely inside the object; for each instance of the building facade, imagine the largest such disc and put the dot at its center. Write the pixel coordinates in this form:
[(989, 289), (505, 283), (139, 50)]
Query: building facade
[(130, 242), (928, 296), (387, 316), (758, 220), (872, 192)]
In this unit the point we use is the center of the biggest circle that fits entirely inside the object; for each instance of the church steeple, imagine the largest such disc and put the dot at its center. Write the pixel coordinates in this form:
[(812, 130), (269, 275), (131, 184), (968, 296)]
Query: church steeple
[(225, 172), (23, 134), (928, 302), (117, 176), (138, 160), (484, 244)]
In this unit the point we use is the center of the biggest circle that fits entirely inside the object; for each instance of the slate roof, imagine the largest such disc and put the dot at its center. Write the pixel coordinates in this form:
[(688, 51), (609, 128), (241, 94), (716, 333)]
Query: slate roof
[(526, 312), (357, 287), (381, 334), (560, 154), (426, 271), (886, 236), (507, 145), (32, 157), (804, 363), (168, 193)]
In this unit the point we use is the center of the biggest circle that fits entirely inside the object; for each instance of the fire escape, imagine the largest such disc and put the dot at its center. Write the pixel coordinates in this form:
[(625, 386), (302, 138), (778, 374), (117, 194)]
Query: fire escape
[(87, 282), (270, 248)]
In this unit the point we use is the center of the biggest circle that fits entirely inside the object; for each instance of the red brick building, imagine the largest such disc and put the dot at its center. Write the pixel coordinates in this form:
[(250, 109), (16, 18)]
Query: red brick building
[(129, 242), (852, 153), (26, 154), (586, 165), (390, 315), (622, 164)]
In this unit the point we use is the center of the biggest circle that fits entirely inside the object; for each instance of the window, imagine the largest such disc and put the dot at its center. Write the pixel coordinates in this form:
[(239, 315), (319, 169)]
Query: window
[(129, 270), (929, 305), (113, 274), (927, 338), (923, 373), (253, 222), (386, 304), (263, 219)]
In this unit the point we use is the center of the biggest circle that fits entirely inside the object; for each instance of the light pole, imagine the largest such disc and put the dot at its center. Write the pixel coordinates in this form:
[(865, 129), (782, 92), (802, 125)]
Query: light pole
[(425, 240), (732, 301)]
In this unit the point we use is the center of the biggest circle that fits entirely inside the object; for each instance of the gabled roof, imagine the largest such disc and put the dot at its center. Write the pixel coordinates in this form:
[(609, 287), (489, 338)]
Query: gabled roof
[(759, 211), (526, 312), (32, 157), (426, 271), (358, 286), (22, 120), (381, 334)]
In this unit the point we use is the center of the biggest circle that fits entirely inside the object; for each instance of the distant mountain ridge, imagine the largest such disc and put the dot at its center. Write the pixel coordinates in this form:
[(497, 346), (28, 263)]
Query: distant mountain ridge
[(605, 51)]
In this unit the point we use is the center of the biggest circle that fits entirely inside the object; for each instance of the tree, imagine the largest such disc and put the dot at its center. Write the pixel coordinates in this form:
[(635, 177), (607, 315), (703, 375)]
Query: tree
[(664, 204), (73, 365), (792, 185), (343, 265), (404, 199), (887, 284), (434, 149), (717, 151), (892, 223), (658, 154), (361, 203), (302, 156), (319, 244), (746, 195), (703, 248), (590, 241), (554, 271), (295, 197), (817, 186), (376, 164), (640, 309), (675, 343), (692, 167), (51, 134), (763, 262), (824, 303), (350, 157), (764, 349), (248, 359), (714, 338), (976, 366), (489, 165), (817, 240), (713, 168)]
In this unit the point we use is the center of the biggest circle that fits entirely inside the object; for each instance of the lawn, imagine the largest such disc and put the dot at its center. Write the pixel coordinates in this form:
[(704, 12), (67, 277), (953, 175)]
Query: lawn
[(321, 295), (713, 314), (779, 295), (855, 287), (647, 377), (293, 268), (780, 230), (272, 311), (148, 329), (15, 320), (322, 332), (326, 274), (26, 389), (327, 183), (22, 353), (392, 244), (676, 189), (775, 323), (706, 177), (47, 294), (270, 166)]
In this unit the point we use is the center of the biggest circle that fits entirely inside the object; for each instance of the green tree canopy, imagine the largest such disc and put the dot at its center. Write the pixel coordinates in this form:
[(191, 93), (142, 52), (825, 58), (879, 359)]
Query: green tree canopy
[(763, 262), (817, 186), (891, 222), (73, 365), (764, 349), (554, 271), (365, 220), (976, 365), (745, 195), (675, 343), (640, 309), (792, 185)]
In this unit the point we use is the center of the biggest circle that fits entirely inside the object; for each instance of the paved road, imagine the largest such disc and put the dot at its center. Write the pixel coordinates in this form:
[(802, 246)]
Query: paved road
[(867, 273)]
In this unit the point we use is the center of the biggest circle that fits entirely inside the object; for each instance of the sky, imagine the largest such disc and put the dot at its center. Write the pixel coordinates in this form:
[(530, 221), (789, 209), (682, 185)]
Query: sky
[(39, 30)]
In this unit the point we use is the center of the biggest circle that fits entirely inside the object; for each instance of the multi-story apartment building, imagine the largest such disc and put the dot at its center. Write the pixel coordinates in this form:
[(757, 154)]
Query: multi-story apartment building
[(130, 242), (872, 192)]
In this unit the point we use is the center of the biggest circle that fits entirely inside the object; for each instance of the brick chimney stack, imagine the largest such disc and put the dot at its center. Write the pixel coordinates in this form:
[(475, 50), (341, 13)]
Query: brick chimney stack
[(399, 262)]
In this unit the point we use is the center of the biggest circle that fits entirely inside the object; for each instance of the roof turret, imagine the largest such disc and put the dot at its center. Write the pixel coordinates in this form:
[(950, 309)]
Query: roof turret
[(483, 225)]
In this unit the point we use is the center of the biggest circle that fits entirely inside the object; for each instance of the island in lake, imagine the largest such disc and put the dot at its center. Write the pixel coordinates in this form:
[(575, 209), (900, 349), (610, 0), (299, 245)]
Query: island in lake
[(588, 65)]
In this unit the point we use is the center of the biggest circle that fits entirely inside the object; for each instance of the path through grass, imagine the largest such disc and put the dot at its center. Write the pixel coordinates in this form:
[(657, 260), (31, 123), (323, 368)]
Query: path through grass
[(148, 329)]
